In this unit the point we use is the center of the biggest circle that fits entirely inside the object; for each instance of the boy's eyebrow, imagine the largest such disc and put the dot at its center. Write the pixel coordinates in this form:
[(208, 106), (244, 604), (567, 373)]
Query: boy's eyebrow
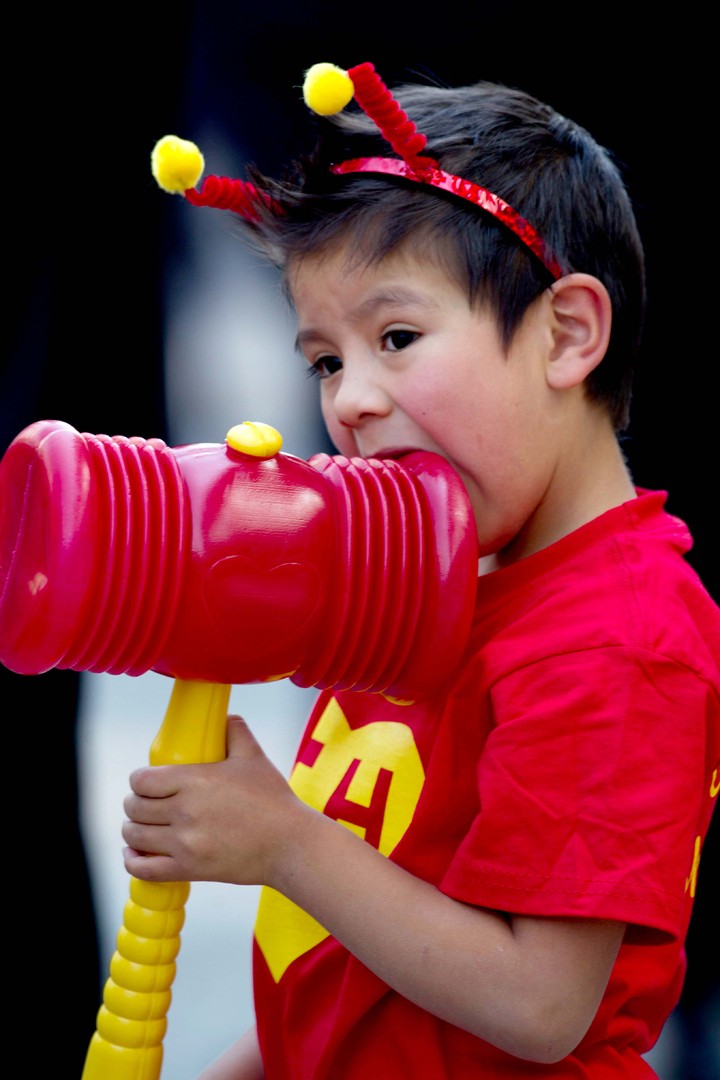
[(385, 297)]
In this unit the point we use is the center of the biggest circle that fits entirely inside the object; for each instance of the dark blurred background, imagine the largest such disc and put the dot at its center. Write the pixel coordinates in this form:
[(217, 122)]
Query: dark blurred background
[(89, 242)]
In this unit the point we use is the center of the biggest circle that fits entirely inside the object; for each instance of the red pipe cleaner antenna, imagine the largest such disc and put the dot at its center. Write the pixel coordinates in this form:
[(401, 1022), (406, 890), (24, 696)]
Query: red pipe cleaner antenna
[(374, 98), (224, 193)]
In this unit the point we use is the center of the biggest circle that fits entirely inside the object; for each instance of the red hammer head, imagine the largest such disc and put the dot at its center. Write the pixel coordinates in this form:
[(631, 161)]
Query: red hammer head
[(230, 564)]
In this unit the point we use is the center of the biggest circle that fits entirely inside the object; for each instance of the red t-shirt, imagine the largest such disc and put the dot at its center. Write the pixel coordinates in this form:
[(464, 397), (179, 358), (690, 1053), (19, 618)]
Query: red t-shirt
[(570, 769)]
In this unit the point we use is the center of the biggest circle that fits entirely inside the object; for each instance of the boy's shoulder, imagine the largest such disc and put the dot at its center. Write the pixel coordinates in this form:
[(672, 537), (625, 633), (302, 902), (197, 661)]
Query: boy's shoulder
[(621, 581)]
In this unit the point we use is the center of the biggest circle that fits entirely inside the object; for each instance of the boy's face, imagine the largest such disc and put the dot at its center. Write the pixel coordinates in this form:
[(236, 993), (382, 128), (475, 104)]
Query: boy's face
[(405, 364)]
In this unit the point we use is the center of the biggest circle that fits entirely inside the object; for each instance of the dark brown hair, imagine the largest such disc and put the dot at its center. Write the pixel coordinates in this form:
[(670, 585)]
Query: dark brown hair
[(546, 167)]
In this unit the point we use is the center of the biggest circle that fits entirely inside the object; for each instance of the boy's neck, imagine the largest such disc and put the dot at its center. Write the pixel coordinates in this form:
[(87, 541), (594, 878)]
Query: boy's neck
[(584, 487)]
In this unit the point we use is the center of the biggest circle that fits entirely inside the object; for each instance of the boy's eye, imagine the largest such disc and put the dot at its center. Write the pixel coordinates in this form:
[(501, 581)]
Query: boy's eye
[(395, 340), (324, 367)]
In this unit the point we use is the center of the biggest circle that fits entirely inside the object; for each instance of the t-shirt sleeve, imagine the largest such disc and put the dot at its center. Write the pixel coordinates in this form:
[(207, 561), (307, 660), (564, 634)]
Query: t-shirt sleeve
[(591, 791)]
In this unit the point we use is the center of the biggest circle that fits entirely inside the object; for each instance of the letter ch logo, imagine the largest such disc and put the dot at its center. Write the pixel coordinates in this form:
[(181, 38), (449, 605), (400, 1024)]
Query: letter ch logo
[(369, 779)]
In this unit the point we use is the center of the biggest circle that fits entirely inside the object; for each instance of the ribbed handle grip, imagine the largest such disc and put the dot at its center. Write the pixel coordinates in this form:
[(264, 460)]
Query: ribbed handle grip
[(131, 1023)]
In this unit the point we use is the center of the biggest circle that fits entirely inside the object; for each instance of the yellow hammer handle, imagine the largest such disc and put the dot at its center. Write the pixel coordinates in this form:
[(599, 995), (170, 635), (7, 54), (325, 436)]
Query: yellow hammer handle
[(131, 1022)]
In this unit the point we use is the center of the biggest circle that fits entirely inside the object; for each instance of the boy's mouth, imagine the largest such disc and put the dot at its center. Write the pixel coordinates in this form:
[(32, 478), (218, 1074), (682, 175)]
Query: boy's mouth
[(391, 453)]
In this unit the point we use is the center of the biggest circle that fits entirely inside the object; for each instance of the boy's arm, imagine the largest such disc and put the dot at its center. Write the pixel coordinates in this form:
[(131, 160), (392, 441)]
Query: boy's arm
[(530, 986), (241, 1061)]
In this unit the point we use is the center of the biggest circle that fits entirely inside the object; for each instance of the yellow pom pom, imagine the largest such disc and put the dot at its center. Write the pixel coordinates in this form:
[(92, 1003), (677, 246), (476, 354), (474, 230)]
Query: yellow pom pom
[(327, 89), (177, 164), (254, 438)]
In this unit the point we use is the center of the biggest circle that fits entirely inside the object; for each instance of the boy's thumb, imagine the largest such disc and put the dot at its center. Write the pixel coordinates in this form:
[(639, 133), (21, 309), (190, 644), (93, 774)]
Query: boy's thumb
[(240, 739)]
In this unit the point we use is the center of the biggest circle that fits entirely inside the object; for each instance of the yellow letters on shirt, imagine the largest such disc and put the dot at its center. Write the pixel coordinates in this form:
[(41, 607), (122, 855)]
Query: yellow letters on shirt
[(691, 880), (369, 779)]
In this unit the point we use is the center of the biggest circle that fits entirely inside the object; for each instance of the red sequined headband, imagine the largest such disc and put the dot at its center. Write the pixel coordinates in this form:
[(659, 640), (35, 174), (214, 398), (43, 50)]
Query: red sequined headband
[(177, 164)]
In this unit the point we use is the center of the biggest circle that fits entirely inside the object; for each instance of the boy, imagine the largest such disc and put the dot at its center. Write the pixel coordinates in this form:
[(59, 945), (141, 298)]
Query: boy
[(497, 880)]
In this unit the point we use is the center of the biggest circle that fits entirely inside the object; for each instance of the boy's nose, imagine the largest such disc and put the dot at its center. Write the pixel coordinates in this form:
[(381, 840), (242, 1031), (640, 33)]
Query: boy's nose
[(358, 397)]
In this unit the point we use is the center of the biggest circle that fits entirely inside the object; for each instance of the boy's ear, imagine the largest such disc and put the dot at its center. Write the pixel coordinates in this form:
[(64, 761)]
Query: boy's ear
[(581, 320)]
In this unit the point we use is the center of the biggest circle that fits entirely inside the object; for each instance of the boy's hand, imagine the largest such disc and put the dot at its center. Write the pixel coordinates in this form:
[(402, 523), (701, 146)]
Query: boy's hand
[(218, 821)]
